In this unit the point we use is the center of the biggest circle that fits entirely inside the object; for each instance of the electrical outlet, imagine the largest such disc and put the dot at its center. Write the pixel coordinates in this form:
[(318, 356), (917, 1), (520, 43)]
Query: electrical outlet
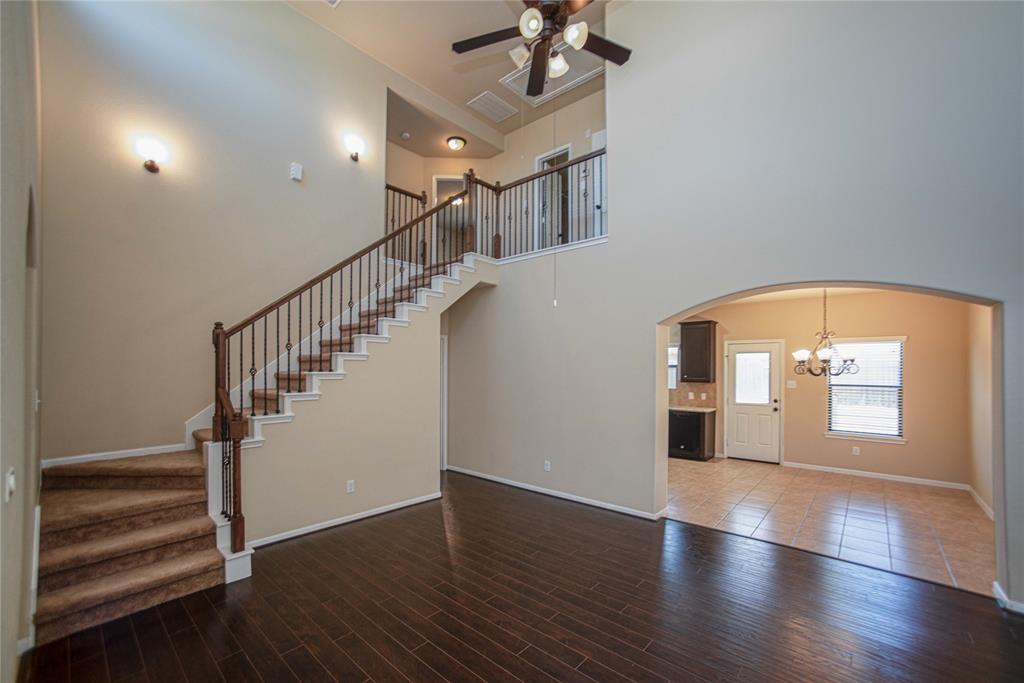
[(350, 486), (689, 395), (856, 450), (547, 465), (703, 396)]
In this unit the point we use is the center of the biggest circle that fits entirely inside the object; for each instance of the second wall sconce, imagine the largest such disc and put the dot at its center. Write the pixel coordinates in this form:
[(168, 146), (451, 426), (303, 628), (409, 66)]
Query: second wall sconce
[(355, 146)]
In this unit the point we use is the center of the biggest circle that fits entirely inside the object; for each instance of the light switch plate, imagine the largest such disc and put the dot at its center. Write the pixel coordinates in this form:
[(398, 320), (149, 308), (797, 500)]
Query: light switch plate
[(690, 395), (295, 171), (791, 384)]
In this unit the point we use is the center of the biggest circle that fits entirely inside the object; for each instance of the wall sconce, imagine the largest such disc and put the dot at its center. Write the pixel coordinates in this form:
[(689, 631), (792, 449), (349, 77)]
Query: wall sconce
[(153, 153), (455, 143), (355, 146)]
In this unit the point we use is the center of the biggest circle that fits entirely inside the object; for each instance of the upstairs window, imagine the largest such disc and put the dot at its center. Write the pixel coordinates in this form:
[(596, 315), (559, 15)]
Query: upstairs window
[(870, 402)]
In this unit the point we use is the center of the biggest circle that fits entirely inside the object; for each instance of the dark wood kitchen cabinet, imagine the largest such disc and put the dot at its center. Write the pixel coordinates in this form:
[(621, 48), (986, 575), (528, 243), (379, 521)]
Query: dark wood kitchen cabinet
[(691, 434), (697, 351)]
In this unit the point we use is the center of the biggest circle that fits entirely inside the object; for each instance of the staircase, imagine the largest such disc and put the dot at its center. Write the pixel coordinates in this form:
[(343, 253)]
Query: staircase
[(118, 536)]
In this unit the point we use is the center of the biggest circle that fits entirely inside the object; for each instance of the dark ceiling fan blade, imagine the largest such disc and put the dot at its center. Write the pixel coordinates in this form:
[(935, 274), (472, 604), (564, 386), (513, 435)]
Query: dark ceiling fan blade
[(576, 5), (486, 39), (602, 47), (539, 67)]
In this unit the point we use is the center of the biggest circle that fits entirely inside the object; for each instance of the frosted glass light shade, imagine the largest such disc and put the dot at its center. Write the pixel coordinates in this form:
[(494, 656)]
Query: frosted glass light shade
[(530, 23), (151, 149), (824, 354), (557, 67), (576, 34), (802, 355), (520, 54)]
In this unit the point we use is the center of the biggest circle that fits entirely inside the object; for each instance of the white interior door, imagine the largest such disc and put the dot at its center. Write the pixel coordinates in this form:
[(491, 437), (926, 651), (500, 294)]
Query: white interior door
[(752, 400)]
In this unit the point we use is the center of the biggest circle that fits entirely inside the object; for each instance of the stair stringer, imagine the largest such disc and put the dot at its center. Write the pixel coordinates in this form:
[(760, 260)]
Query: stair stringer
[(379, 427)]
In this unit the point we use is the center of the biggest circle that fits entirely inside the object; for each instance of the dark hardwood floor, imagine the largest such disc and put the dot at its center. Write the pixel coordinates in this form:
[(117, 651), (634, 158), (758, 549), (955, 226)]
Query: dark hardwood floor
[(497, 584)]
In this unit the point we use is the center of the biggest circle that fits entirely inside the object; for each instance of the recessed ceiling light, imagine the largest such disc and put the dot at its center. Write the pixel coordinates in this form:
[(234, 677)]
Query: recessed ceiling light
[(455, 143), (405, 135)]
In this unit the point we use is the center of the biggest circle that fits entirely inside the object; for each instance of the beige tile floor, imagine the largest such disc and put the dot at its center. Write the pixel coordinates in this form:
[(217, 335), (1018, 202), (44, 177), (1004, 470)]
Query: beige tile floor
[(925, 531)]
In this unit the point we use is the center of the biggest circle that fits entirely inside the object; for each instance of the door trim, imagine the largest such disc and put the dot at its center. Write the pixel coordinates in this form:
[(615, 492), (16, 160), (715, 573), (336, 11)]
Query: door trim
[(782, 393), (444, 402), (538, 164)]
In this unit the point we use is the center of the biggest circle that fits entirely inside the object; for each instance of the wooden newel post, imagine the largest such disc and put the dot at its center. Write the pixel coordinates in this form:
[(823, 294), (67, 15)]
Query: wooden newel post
[(218, 376), (237, 518)]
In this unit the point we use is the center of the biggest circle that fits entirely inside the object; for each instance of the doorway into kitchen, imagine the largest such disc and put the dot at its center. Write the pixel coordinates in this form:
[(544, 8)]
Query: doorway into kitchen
[(852, 422)]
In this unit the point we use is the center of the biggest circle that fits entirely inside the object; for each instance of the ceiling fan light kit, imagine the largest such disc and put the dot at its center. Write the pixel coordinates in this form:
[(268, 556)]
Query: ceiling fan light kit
[(539, 23), (557, 67), (531, 23)]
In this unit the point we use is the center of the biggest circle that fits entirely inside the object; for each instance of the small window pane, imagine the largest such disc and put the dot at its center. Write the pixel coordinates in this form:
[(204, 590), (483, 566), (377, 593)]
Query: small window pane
[(753, 377)]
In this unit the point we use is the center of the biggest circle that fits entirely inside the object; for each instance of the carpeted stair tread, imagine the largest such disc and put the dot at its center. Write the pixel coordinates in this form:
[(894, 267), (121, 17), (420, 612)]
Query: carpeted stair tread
[(114, 586), (69, 508), (179, 464), (117, 545)]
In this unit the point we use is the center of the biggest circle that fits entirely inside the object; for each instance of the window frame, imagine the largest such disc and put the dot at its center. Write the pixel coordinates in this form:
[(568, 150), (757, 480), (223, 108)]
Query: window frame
[(674, 367), (868, 436)]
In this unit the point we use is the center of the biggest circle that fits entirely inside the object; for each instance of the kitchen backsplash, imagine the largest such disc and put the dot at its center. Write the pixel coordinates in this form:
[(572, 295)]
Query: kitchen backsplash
[(680, 396)]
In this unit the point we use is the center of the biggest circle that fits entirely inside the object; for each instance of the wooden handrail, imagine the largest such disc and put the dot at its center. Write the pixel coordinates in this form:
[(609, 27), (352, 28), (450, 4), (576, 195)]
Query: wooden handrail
[(336, 268), (553, 169), (421, 197), (484, 183)]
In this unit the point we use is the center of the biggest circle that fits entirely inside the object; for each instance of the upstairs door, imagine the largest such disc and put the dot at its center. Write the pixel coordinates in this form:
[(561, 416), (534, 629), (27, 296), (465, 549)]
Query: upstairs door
[(553, 200), (753, 412)]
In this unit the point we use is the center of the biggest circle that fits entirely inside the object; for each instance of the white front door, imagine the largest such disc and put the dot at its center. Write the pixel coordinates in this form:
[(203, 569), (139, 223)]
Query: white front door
[(752, 408)]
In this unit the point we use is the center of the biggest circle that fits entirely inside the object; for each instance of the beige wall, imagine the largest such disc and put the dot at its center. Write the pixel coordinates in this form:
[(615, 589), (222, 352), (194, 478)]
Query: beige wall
[(404, 168), (19, 139), (936, 379), (570, 125), (980, 388), (140, 266), (379, 426), (786, 151)]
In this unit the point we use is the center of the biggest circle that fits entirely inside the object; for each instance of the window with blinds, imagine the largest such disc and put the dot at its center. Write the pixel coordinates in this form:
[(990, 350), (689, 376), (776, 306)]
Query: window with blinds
[(871, 401)]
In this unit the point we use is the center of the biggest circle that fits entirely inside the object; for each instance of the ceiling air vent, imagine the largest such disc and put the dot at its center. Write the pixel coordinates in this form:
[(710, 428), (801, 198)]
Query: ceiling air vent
[(333, 3), (492, 106), (583, 66)]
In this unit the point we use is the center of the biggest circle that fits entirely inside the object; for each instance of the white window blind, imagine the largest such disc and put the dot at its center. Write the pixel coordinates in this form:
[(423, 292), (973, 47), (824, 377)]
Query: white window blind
[(871, 401)]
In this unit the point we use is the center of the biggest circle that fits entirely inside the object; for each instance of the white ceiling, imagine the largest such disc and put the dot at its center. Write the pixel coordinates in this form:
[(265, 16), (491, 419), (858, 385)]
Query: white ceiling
[(414, 38)]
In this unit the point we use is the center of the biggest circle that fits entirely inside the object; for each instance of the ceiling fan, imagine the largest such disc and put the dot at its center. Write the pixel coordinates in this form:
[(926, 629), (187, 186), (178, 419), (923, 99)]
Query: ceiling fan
[(538, 25)]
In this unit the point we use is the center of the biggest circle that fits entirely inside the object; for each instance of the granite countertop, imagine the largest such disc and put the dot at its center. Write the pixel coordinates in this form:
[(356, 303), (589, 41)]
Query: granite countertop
[(692, 409)]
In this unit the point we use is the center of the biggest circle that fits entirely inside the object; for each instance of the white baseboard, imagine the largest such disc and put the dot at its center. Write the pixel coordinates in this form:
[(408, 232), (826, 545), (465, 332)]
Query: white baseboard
[(111, 455), (24, 645), (284, 535), (663, 512), (1005, 602), (561, 494), (877, 475), (982, 504)]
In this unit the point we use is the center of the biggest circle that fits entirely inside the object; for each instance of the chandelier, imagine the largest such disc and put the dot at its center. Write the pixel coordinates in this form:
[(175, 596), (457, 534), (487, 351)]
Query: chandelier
[(829, 362)]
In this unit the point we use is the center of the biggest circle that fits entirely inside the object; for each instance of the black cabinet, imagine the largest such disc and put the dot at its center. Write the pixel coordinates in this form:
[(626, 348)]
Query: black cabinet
[(697, 351), (691, 435)]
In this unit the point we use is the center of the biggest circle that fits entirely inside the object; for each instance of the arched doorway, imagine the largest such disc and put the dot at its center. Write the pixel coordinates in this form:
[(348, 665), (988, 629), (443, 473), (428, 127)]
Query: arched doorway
[(898, 467)]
